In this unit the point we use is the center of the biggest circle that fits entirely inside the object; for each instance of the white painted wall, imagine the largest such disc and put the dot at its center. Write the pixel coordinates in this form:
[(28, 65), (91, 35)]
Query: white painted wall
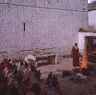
[(90, 1), (82, 37), (92, 18), (92, 23)]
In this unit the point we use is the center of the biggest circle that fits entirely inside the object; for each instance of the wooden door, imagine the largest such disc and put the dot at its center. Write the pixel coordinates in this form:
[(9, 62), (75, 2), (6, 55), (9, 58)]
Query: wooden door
[(89, 44)]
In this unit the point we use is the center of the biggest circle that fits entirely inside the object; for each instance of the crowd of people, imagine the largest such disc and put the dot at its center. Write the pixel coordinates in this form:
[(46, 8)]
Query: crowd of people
[(22, 78)]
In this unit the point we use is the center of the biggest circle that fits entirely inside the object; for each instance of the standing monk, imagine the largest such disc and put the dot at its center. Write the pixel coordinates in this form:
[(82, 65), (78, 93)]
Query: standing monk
[(75, 55)]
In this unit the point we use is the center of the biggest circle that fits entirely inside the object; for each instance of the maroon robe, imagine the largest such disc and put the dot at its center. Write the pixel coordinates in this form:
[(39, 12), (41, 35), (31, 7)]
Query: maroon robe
[(75, 56)]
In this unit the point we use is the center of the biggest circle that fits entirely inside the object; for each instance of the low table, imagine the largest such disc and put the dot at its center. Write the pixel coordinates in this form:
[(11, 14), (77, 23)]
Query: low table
[(45, 59)]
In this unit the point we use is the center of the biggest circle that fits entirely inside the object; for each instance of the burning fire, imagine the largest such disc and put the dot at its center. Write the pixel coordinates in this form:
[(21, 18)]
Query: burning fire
[(84, 64)]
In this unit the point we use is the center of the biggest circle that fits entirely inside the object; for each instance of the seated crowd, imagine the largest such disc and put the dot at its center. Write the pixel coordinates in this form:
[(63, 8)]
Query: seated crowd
[(21, 78)]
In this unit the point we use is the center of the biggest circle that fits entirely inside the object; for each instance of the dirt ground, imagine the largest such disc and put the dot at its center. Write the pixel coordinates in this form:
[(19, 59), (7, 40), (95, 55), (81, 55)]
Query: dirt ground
[(67, 86), (65, 64), (82, 88)]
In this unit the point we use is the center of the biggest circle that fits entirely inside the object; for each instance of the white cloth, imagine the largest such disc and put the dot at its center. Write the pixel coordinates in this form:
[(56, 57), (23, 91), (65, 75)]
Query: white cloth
[(30, 57), (75, 47)]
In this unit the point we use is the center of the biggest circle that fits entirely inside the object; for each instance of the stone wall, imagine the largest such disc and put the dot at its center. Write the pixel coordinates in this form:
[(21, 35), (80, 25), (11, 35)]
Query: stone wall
[(29, 24)]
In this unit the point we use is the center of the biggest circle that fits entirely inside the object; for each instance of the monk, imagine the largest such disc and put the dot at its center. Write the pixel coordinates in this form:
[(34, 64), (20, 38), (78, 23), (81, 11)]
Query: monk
[(75, 55)]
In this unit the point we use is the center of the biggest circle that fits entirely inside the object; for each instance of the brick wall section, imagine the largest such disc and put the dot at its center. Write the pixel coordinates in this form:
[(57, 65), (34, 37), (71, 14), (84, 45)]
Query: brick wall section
[(48, 24)]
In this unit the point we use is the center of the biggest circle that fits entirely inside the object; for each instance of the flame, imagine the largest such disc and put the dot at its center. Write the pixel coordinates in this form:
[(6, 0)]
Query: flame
[(84, 64)]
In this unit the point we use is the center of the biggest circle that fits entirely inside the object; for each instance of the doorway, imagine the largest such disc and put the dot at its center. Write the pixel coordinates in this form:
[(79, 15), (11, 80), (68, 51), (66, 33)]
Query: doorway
[(90, 46), (89, 43)]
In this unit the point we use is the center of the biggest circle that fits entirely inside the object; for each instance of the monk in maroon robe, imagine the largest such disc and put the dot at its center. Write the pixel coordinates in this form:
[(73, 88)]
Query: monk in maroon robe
[(75, 55)]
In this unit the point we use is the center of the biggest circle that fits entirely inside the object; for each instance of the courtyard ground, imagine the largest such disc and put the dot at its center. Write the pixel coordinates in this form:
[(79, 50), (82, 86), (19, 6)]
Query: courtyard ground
[(64, 64), (67, 86)]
